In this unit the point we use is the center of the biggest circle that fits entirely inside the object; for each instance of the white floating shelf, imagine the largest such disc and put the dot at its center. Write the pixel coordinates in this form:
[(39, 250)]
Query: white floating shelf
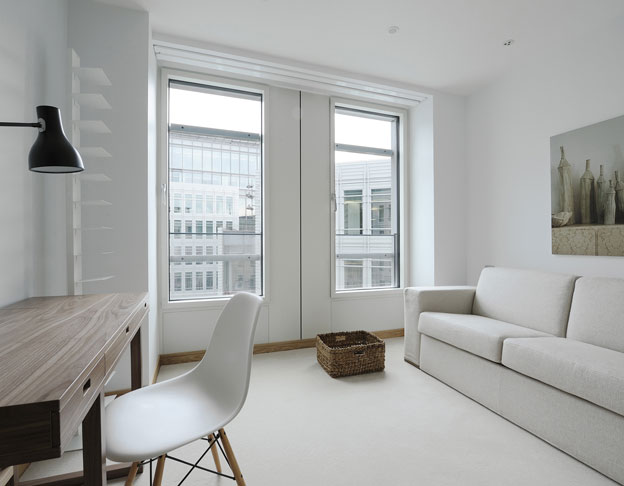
[(95, 152), (96, 279), (95, 178), (98, 202), (92, 100), (92, 126), (95, 76)]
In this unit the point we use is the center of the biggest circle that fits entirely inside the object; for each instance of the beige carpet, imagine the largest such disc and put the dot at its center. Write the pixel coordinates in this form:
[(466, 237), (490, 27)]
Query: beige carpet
[(300, 427)]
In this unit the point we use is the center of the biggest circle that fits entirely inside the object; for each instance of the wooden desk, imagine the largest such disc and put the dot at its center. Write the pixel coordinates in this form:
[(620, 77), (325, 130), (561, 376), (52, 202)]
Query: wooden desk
[(56, 353)]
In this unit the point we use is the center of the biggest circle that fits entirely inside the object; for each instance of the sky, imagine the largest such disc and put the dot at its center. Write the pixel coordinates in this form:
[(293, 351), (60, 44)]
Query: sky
[(245, 115)]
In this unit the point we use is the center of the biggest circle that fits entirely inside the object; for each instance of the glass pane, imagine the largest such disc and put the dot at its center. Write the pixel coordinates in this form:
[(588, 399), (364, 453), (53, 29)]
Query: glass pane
[(363, 131), (365, 261), (214, 110), (234, 257), (218, 201), (365, 191), (353, 212), (381, 208)]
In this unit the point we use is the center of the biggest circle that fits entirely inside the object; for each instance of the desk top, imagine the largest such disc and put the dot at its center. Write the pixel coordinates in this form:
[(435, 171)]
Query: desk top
[(47, 342)]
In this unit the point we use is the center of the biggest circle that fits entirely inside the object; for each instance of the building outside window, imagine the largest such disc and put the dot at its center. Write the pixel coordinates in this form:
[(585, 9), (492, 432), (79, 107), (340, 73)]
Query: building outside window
[(215, 169), (188, 229), (353, 212), (381, 210), (353, 274), (366, 197)]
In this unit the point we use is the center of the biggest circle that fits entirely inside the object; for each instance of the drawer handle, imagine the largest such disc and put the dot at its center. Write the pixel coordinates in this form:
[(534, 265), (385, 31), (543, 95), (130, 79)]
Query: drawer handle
[(127, 329), (86, 387)]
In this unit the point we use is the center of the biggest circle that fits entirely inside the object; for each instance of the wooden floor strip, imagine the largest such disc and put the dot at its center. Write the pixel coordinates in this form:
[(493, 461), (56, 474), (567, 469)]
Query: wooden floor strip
[(193, 356)]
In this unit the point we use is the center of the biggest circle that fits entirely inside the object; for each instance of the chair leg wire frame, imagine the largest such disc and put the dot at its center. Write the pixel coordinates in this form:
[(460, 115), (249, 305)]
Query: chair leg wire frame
[(211, 444)]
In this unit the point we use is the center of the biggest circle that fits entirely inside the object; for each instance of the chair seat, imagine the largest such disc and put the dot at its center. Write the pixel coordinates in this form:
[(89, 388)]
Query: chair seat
[(476, 334), (157, 419), (587, 371)]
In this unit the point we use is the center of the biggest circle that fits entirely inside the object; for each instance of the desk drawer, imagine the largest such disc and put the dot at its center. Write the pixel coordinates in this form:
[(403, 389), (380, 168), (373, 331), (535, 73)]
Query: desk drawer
[(122, 339), (83, 397)]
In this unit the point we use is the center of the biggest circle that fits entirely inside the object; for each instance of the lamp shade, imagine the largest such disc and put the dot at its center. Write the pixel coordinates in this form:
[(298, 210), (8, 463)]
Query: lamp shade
[(52, 152)]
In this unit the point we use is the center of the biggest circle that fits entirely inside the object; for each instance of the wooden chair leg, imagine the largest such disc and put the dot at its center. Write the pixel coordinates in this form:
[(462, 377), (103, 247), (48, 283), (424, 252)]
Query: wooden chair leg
[(215, 452), (132, 473), (231, 458), (160, 468)]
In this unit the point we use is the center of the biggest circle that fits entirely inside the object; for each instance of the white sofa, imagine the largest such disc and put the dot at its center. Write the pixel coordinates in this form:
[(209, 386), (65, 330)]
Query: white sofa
[(544, 350)]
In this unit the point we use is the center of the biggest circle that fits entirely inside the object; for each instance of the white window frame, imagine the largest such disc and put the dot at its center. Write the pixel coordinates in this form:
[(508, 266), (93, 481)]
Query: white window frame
[(402, 186), (167, 74)]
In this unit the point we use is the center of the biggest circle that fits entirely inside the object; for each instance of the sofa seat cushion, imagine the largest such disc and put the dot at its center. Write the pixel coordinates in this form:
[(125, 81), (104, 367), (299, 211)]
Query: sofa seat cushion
[(476, 334), (590, 372)]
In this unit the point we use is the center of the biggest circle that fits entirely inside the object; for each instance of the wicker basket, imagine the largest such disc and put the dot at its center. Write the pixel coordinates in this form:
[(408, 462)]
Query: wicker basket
[(350, 353)]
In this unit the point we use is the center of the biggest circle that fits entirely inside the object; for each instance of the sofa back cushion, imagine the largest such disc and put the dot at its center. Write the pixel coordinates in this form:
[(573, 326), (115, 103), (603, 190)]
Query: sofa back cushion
[(597, 313), (529, 298)]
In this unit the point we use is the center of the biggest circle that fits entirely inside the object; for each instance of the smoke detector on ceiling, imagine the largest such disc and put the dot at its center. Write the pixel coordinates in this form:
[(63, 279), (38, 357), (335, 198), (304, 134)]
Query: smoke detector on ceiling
[(393, 29)]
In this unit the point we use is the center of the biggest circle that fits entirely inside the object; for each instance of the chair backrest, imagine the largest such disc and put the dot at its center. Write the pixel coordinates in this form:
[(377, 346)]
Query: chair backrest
[(528, 298), (226, 367), (597, 314)]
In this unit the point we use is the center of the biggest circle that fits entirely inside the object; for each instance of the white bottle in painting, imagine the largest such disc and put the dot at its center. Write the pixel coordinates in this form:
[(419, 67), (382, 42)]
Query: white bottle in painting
[(609, 214), (566, 195), (619, 195), (587, 195), (601, 189)]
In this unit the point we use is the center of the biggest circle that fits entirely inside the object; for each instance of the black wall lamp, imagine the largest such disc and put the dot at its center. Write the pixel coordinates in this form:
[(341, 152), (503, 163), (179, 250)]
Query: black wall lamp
[(51, 153)]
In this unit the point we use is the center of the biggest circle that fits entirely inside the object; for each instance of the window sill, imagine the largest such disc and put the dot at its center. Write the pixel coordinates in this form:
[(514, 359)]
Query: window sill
[(367, 294), (197, 305)]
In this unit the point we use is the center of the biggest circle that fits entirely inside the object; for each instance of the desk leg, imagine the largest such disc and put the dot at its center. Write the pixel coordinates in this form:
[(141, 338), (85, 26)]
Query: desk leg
[(135, 361), (93, 457)]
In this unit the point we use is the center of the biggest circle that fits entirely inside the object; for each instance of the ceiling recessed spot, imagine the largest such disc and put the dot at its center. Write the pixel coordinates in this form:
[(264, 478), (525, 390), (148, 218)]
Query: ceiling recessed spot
[(393, 29), (508, 42)]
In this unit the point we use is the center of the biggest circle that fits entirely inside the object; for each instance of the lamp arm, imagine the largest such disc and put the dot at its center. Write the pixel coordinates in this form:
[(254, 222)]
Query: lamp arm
[(18, 124)]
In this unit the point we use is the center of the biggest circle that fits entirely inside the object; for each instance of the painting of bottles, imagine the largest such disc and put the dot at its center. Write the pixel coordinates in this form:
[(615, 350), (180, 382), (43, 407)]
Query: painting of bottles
[(587, 190)]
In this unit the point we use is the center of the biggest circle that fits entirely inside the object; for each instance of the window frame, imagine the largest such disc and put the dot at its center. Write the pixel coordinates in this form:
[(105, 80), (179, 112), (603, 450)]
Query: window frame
[(402, 189), (167, 75)]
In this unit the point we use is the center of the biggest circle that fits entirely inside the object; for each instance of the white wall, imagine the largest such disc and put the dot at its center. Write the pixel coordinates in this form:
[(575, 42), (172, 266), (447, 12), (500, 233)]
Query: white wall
[(421, 195), (33, 60), (450, 189), (118, 40), (509, 125), (437, 191), (153, 340)]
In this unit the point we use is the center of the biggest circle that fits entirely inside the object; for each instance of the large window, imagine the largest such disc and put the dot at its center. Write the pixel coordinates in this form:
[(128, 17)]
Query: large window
[(366, 195), (214, 171)]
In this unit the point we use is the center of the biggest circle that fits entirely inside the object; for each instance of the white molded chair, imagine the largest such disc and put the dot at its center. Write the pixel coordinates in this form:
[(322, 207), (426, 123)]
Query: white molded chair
[(150, 422)]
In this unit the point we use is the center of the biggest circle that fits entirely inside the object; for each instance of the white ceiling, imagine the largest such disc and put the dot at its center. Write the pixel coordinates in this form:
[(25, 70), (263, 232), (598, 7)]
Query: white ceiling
[(448, 45)]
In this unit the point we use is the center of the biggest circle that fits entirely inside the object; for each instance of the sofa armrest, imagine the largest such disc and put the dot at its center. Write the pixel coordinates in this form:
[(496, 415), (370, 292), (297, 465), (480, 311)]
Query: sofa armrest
[(454, 300)]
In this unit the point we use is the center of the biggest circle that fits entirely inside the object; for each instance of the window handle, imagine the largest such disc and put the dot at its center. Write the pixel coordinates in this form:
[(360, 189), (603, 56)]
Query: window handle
[(163, 188), (333, 202)]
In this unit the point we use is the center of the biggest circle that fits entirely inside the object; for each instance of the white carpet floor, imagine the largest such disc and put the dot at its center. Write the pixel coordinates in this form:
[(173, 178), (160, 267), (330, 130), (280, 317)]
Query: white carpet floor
[(300, 427)]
